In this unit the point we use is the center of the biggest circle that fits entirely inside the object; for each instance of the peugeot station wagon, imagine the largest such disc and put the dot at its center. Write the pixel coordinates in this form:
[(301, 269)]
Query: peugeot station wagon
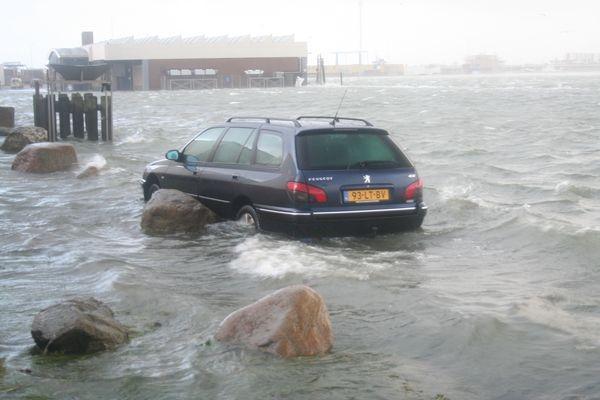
[(310, 176)]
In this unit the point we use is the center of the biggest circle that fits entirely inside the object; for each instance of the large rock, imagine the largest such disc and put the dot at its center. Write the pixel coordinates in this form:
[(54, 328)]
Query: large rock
[(20, 137), (291, 322), (171, 211), (7, 117), (77, 326), (45, 157)]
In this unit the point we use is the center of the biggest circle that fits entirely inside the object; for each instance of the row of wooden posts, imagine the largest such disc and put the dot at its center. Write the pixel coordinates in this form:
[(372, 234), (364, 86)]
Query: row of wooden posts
[(81, 110)]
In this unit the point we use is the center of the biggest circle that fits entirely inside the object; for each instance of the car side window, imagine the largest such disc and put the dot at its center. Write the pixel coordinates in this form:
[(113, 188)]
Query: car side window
[(202, 145), (247, 150), (231, 145), (269, 149)]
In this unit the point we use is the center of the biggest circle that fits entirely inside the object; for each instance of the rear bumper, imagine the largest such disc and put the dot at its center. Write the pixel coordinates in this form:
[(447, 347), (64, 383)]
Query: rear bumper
[(342, 222)]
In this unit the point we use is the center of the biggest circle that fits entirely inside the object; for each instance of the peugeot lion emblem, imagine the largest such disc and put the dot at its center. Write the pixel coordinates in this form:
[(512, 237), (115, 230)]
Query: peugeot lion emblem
[(367, 178)]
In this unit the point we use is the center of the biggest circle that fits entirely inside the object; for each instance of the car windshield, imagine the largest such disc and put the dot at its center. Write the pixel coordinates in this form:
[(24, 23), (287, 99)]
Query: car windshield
[(348, 150)]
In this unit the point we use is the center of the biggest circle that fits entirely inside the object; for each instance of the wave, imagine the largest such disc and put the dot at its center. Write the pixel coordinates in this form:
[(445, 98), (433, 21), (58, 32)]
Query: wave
[(547, 311)]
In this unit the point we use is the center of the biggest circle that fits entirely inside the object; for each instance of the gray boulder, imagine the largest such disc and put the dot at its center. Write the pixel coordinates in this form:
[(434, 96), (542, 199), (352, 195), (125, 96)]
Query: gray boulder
[(21, 136), (291, 322), (172, 211), (45, 158), (77, 326)]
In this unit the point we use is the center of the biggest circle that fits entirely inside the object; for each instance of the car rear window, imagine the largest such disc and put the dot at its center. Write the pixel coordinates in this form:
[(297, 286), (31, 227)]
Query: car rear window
[(348, 150)]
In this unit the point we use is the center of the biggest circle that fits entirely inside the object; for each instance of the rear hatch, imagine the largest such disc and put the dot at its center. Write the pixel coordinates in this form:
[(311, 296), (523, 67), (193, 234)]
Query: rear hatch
[(355, 169)]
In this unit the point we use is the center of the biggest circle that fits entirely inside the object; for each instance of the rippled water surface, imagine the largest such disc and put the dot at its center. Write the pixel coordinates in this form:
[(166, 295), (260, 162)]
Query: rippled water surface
[(497, 297)]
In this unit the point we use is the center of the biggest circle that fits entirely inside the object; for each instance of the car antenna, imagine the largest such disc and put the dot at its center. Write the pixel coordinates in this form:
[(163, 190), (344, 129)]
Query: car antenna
[(340, 106)]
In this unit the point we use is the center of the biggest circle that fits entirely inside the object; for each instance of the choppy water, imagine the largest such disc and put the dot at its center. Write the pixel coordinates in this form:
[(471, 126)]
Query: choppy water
[(497, 298)]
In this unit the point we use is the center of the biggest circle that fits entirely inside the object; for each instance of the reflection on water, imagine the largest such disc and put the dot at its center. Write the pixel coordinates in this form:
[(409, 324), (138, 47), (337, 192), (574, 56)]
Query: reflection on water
[(497, 297)]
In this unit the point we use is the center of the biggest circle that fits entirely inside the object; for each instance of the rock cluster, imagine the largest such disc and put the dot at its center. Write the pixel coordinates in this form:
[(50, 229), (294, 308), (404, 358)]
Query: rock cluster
[(77, 326), (45, 157), (172, 211), (21, 136), (291, 322)]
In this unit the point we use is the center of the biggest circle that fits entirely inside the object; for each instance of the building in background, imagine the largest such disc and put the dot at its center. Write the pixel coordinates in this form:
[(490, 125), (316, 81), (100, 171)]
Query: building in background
[(17, 75), (578, 62), (483, 63), (199, 62)]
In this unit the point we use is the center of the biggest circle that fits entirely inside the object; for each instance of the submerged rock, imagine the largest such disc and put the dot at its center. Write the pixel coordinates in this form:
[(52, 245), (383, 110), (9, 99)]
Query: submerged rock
[(88, 171), (171, 211), (21, 136), (291, 322), (77, 326), (45, 157)]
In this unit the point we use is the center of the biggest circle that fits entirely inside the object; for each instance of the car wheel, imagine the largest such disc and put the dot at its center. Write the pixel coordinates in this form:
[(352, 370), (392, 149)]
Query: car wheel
[(247, 216), (151, 189)]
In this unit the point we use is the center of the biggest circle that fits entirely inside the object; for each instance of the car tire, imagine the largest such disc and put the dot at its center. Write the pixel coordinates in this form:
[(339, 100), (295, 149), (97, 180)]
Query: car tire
[(150, 191), (247, 216)]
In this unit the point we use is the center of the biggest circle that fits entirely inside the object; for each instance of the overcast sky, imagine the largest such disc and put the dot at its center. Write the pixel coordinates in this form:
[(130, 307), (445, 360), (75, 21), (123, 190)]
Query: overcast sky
[(399, 31)]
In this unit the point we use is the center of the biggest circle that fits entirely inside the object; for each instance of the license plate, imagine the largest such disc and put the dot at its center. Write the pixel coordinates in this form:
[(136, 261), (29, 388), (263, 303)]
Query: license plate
[(366, 196)]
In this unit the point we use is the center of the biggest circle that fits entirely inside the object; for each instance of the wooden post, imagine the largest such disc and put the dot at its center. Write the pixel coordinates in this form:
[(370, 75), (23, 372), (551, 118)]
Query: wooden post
[(103, 118), (64, 115), (90, 109), (51, 117), (77, 108), (341, 79), (38, 105), (109, 117)]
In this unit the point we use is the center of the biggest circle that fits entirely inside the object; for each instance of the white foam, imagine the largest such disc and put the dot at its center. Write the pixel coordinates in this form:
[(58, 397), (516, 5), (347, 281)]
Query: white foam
[(265, 257), (97, 161), (585, 328), (137, 137)]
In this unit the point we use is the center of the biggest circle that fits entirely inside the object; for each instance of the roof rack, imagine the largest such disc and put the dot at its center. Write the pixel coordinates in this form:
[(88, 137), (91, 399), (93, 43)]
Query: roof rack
[(266, 120), (335, 119)]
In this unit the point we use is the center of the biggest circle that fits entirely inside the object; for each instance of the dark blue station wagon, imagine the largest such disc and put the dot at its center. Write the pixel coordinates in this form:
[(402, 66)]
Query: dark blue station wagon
[(310, 176)]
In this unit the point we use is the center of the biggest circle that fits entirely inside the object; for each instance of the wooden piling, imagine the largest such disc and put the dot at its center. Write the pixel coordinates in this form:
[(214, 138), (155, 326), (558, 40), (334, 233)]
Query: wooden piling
[(106, 117), (51, 117), (77, 109), (90, 110), (64, 115), (38, 106)]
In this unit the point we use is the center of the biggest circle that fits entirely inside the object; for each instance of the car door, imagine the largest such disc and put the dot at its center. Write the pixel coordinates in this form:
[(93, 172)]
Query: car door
[(264, 182), (185, 174), (221, 175)]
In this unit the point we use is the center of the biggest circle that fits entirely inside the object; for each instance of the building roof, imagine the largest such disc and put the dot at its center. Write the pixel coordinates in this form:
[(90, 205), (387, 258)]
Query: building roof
[(72, 52), (177, 47)]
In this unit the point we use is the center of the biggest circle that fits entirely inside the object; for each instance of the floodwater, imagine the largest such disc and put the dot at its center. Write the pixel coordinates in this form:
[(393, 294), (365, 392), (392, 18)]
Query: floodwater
[(498, 297)]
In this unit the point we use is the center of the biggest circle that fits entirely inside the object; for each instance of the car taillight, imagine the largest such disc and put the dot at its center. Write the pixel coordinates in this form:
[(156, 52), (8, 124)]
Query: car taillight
[(413, 189), (307, 193)]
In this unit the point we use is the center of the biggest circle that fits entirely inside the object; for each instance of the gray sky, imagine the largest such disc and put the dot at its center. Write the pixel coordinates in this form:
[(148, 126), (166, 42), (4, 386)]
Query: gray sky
[(400, 31)]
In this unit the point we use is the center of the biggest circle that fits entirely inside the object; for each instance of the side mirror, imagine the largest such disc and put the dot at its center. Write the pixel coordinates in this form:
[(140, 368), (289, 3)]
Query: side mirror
[(173, 155)]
